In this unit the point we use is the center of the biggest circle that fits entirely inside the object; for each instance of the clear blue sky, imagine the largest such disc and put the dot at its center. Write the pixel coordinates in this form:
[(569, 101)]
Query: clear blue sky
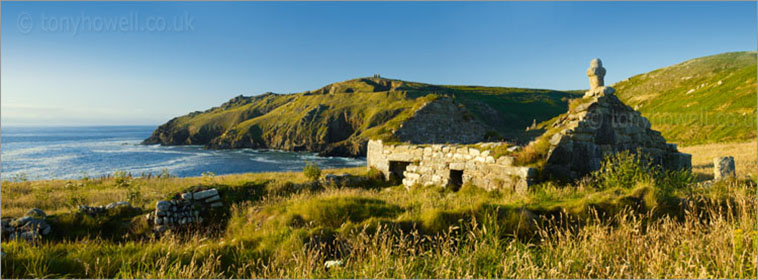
[(142, 72)]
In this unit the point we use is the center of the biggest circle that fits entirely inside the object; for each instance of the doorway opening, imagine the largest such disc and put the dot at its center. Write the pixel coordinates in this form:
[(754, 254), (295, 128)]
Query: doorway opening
[(397, 168), (456, 179)]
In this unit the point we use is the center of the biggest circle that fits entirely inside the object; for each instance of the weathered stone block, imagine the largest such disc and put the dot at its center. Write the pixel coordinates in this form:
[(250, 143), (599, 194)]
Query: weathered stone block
[(205, 194), (505, 160), (457, 165), (162, 205), (723, 168), (213, 199)]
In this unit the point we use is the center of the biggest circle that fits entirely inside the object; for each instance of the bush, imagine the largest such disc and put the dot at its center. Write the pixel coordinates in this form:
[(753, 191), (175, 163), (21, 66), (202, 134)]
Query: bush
[(623, 169), (122, 179), (533, 154), (311, 170), (375, 174)]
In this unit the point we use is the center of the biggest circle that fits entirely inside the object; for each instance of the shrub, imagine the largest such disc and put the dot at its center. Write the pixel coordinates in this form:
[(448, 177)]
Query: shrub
[(533, 154), (134, 195), (311, 170), (375, 174), (122, 179), (667, 182), (623, 169)]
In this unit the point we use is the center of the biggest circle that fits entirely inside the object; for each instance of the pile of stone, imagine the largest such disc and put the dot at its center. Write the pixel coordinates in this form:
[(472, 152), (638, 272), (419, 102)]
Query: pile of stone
[(99, 210), (184, 210), (30, 227)]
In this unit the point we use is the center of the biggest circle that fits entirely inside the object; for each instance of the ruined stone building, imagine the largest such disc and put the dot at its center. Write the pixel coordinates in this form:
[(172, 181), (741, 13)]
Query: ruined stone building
[(596, 125)]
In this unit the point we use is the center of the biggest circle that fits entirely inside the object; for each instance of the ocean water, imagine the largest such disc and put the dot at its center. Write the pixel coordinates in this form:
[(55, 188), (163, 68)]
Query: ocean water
[(75, 152)]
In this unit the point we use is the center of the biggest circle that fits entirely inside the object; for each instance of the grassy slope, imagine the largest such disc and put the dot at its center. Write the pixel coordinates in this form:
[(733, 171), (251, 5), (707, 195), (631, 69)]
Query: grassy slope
[(364, 108), (704, 100)]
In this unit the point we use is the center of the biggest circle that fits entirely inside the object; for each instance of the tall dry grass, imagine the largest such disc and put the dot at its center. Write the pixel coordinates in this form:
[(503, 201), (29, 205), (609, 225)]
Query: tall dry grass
[(715, 238), (745, 157), (59, 196)]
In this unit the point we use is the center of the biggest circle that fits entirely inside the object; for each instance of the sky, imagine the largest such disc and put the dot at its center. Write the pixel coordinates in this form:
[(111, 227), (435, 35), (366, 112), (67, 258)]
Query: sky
[(143, 63)]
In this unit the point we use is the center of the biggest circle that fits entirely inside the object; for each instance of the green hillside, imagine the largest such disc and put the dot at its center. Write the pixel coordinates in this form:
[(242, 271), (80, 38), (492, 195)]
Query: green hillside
[(339, 118), (704, 100)]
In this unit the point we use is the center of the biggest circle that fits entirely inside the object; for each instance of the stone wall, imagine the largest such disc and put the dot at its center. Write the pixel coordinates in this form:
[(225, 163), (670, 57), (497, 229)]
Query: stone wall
[(447, 165), (103, 209), (600, 124), (184, 210), (442, 121)]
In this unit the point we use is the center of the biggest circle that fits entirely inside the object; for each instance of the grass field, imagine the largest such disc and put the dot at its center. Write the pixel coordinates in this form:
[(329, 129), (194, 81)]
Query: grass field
[(624, 223), (745, 155)]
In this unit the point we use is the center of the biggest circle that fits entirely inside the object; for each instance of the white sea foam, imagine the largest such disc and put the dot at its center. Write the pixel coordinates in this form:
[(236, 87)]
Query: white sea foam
[(68, 158)]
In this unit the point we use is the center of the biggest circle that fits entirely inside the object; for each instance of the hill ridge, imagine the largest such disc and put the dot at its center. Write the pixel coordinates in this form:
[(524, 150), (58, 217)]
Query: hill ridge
[(337, 119)]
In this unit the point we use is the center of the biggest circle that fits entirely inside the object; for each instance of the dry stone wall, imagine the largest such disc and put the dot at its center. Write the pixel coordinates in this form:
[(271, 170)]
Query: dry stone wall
[(185, 210), (100, 210), (447, 165)]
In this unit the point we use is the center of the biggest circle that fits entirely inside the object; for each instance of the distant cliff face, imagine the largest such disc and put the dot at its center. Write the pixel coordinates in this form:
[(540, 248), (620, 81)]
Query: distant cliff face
[(340, 118)]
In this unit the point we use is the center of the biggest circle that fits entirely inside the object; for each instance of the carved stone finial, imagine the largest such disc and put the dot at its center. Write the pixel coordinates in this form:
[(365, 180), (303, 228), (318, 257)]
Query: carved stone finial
[(596, 73)]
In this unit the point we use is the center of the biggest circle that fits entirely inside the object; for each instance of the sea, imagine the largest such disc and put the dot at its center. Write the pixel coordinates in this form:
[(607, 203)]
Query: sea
[(35, 153)]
